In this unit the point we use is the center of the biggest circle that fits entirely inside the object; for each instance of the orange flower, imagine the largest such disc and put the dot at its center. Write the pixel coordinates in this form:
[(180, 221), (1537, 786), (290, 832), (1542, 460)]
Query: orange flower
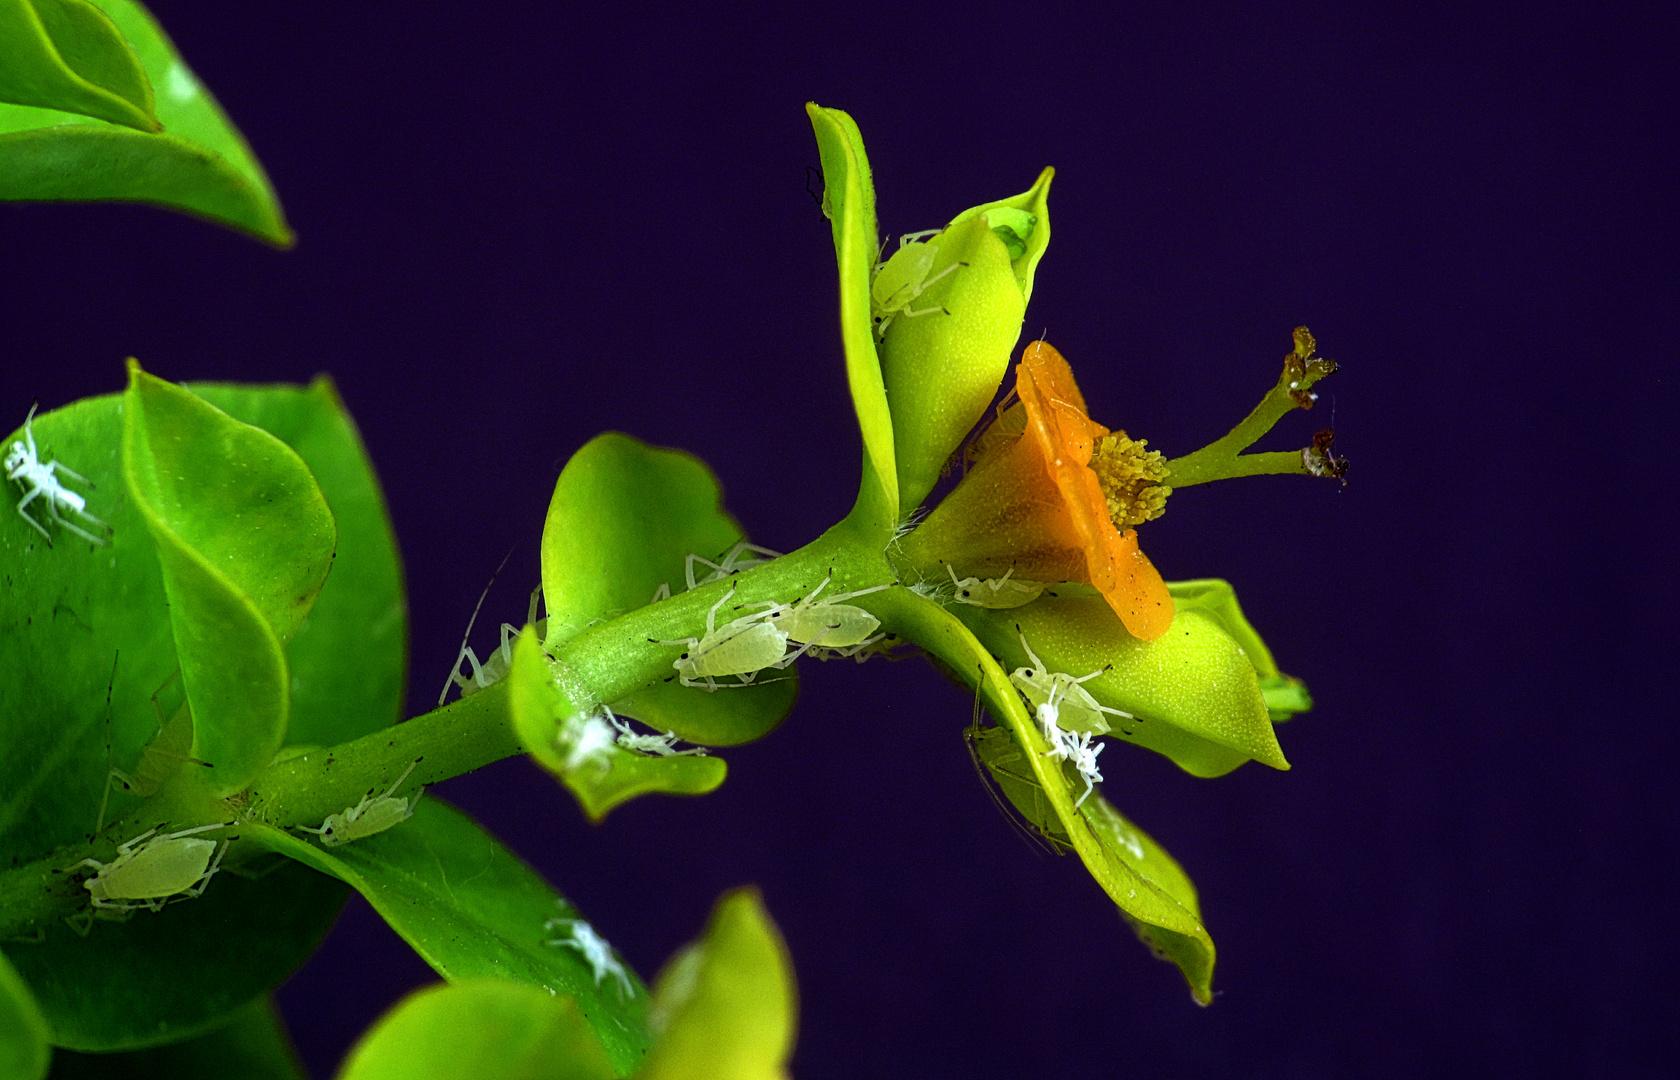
[(1033, 504)]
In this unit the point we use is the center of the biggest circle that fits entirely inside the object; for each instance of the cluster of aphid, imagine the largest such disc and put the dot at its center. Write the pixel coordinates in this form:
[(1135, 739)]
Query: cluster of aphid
[(1067, 714), (23, 465), (582, 938), (773, 638)]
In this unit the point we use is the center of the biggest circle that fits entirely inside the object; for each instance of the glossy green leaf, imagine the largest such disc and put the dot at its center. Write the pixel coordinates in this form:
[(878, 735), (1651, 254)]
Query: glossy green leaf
[(849, 202), (727, 1005), (198, 163), (245, 540), (252, 1046), (1285, 696), (479, 1028), (624, 518), (1163, 910), (167, 975), (349, 657), (578, 746), (1160, 900), (68, 55), (24, 1050), (470, 907), (1193, 692)]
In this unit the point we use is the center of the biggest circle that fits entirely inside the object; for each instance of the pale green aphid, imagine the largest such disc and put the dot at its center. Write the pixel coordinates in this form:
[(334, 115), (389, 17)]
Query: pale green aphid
[(1059, 700), (367, 817), (150, 869), (741, 648), (831, 625), (494, 669), (1003, 592), (159, 759), (903, 278)]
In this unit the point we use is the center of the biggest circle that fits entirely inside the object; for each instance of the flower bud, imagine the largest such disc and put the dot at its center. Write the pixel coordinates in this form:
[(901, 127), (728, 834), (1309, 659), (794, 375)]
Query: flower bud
[(947, 312)]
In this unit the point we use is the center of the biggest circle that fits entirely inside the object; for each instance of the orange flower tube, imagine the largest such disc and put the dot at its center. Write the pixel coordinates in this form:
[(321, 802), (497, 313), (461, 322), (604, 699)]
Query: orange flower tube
[(1033, 504)]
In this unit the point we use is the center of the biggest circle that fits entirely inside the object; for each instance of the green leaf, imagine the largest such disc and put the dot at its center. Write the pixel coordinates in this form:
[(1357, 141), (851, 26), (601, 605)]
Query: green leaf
[(1161, 902), (1285, 695), (1194, 693), (624, 518), (179, 972), (24, 1051), (348, 660), (199, 163), (1150, 890), (727, 1005), (245, 540), (479, 1028), (67, 55), (253, 1046), (578, 747), (849, 202), (471, 908)]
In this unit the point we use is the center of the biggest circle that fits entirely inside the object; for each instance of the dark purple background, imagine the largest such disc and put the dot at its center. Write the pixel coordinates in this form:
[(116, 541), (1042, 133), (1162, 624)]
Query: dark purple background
[(519, 227)]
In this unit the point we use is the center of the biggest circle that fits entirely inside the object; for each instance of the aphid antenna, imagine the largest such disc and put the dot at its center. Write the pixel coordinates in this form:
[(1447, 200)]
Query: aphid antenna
[(455, 669)]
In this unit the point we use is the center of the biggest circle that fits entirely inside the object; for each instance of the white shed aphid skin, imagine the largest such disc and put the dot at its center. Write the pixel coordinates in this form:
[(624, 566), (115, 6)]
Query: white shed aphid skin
[(23, 464), (369, 816), (903, 278), (150, 870), (582, 938), (742, 648), (743, 556), (587, 739), (994, 593), (1060, 696), (657, 745)]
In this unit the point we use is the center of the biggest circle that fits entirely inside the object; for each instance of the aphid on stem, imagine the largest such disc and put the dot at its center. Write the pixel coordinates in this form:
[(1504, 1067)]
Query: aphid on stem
[(369, 816), (150, 870)]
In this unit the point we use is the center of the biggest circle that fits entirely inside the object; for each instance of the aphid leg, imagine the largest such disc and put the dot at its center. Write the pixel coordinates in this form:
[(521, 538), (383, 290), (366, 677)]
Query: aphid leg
[(466, 653), (912, 237)]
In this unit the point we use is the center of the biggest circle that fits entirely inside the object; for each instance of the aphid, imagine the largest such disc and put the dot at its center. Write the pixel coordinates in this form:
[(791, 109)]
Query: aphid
[(369, 816), (741, 648), (582, 938), (151, 869), (159, 758), (998, 759), (1059, 699), (904, 277), (830, 625), (500, 662), (743, 556), (660, 745), (23, 464), (994, 593)]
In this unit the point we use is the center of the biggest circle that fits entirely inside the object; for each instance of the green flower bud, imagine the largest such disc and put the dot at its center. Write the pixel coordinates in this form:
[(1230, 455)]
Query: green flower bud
[(947, 312)]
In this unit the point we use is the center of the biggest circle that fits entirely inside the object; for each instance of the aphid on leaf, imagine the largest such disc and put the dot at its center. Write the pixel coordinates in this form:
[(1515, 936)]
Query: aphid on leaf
[(994, 593), (742, 648), (903, 278), (23, 464), (1000, 761), (582, 938), (743, 556), (658, 745), (159, 758), (369, 816), (150, 869), (1059, 700)]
